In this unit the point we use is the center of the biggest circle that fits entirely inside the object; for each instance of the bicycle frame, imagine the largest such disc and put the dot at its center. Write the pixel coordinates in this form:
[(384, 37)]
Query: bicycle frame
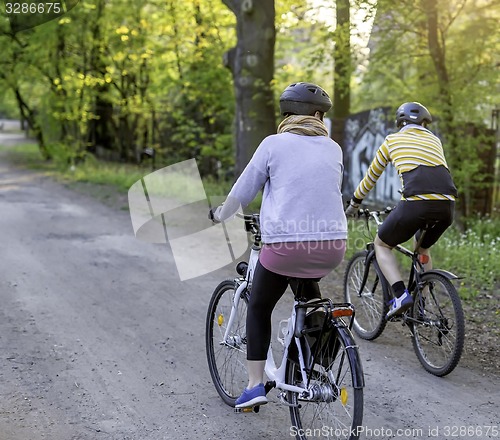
[(417, 267), (275, 374)]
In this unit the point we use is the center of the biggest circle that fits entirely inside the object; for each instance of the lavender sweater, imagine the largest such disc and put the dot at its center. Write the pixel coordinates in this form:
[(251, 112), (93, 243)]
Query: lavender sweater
[(302, 179)]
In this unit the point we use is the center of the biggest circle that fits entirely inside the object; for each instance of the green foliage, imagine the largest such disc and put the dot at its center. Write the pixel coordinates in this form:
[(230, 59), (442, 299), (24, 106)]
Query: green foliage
[(8, 108), (304, 44), (445, 55), (401, 68), (26, 155), (125, 75), (472, 255), (118, 175), (475, 174)]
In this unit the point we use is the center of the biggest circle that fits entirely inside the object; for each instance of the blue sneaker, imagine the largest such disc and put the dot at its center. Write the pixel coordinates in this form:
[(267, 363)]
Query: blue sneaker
[(253, 397), (400, 305)]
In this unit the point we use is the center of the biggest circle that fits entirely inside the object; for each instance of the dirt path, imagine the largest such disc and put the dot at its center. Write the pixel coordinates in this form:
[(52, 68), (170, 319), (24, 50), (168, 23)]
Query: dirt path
[(100, 340)]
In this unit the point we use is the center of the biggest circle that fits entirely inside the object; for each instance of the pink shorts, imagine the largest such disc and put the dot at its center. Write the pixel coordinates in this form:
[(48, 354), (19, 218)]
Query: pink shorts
[(305, 259)]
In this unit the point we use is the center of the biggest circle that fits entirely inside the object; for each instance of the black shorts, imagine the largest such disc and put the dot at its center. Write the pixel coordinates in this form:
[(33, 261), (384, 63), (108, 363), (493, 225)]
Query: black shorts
[(408, 218)]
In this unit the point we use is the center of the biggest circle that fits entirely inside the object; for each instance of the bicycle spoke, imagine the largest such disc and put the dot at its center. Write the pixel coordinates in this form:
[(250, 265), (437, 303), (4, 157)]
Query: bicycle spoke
[(227, 357), (438, 329), (368, 299), (335, 402)]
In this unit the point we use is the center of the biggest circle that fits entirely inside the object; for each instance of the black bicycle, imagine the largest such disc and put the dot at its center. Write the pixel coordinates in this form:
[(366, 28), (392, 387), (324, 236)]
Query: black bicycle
[(436, 320)]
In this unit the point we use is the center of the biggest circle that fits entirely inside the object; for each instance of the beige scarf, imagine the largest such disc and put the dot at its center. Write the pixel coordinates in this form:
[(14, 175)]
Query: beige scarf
[(303, 125)]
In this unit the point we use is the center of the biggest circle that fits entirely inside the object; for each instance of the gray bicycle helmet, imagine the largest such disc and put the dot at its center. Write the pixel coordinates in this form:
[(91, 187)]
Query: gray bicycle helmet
[(304, 99), (412, 113)]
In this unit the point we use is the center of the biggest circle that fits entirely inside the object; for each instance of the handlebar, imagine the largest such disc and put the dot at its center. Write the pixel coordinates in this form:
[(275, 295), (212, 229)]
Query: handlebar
[(375, 214), (252, 222)]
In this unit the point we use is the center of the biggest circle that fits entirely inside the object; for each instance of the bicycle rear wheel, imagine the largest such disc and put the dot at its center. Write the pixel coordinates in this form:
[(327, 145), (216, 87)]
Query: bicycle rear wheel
[(227, 357), (370, 301), (336, 409), (438, 325)]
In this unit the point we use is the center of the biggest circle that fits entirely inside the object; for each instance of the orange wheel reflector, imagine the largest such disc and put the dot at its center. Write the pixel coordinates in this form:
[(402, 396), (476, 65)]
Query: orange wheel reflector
[(220, 319), (337, 313), (344, 396)]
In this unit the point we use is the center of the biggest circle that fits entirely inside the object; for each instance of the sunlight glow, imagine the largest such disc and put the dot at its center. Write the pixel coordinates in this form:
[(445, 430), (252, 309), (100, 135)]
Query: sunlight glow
[(361, 18)]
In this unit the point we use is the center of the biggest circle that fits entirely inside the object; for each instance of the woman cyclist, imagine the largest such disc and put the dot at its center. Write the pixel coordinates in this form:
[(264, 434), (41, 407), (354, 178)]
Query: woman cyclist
[(428, 194), (303, 224)]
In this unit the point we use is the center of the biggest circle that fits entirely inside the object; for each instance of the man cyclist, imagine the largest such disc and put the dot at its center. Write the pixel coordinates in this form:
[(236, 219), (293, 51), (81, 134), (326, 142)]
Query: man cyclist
[(302, 219), (428, 195)]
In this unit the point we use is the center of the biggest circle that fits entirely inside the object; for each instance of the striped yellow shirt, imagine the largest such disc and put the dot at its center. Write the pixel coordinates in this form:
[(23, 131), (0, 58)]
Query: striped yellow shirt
[(410, 147)]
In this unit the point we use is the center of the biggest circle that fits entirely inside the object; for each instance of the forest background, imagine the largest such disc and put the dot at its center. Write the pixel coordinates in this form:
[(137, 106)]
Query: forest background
[(157, 82)]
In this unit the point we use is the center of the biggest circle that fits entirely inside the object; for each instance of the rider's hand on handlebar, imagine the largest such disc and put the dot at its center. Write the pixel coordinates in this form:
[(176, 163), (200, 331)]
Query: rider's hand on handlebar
[(211, 215), (352, 209)]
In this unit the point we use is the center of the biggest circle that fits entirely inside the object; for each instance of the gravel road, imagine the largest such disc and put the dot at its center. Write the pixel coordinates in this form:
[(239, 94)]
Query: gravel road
[(100, 340)]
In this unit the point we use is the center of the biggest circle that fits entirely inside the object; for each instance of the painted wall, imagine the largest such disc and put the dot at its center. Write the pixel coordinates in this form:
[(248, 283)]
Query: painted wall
[(364, 133)]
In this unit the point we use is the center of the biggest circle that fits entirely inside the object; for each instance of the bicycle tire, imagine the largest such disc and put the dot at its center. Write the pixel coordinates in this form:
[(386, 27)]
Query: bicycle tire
[(371, 305), (339, 408), (438, 327), (226, 360)]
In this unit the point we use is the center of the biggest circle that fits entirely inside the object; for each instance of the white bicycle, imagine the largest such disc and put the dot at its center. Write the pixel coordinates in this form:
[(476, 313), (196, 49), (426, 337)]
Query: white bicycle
[(320, 377)]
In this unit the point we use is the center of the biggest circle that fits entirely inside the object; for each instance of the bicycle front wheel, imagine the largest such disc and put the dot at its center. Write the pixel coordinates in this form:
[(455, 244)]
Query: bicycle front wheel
[(336, 407), (227, 348), (438, 325), (368, 299)]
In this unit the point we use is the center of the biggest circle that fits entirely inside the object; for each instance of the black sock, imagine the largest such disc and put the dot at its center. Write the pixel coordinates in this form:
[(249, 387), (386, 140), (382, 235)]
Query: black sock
[(398, 288)]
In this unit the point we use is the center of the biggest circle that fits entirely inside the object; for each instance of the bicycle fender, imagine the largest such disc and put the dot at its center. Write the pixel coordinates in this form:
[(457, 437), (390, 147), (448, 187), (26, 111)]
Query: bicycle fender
[(444, 273), (353, 354)]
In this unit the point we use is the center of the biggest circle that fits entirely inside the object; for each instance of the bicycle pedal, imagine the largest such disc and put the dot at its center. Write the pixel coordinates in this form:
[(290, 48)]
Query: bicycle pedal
[(249, 409)]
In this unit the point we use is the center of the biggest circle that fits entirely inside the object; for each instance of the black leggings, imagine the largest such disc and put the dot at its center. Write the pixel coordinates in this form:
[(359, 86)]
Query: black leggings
[(267, 289)]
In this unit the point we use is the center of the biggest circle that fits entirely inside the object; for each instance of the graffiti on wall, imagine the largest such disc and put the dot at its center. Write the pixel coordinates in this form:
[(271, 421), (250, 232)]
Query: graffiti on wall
[(364, 133)]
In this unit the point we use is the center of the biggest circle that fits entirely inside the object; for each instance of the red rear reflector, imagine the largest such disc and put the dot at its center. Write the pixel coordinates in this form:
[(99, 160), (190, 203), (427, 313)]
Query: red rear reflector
[(337, 313), (424, 259)]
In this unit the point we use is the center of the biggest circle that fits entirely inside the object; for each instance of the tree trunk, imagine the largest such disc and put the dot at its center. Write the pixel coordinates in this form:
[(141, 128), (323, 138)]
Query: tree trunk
[(100, 128), (343, 65), (342, 70), (252, 65), (438, 55), (29, 115)]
